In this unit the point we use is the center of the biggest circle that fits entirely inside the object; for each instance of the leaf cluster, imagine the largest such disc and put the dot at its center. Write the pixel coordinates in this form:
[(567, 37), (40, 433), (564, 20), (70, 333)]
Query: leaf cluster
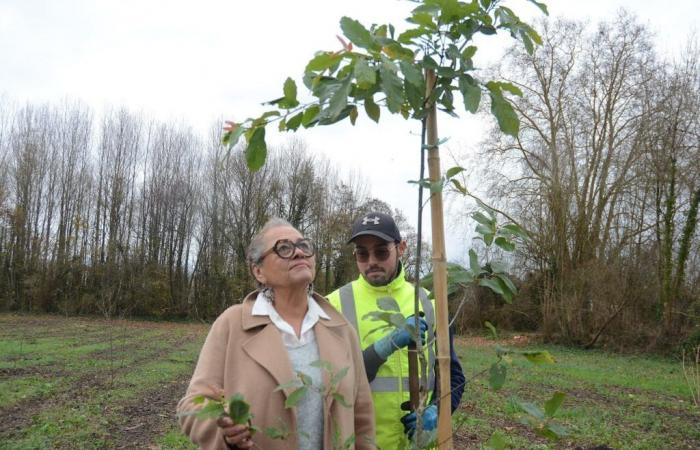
[(377, 67), (491, 274)]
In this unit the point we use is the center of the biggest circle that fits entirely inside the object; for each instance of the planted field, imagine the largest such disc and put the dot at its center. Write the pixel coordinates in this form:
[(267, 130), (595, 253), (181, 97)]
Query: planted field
[(74, 383)]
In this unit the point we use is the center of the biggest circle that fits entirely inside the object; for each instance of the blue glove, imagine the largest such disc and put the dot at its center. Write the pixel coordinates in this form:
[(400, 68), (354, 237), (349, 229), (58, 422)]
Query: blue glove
[(400, 337), (430, 420)]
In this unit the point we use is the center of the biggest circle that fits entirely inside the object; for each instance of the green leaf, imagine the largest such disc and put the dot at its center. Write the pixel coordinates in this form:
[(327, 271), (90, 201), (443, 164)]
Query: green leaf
[(507, 281), (294, 122), (372, 109), (305, 379), (212, 410), (474, 262), (412, 74), (469, 52), (335, 379), (353, 114), (496, 442), (365, 75), (498, 267), (256, 152), (238, 409), (322, 61), (392, 87), (492, 329), (505, 244), (357, 33), (452, 171), (492, 284), (429, 62), (338, 101), (290, 93), (488, 221), (552, 405), (539, 357), (540, 5), (424, 19), (277, 433), (531, 409), (527, 42), (407, 36), (395, 51), (507, 292), (501, 108), (497, 376), (459, 186), (471, 93), (388, 304), (415, 97), (321, 364), (231, 138), (293, 384), (515, 230), (309, 116), (557, 430), (340, 399), (198, 400), (483, 229), (513, 89), (397, 320), (295, 397)]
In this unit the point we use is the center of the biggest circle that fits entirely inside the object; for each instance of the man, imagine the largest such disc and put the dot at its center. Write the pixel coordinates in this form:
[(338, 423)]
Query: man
[(378, 250)]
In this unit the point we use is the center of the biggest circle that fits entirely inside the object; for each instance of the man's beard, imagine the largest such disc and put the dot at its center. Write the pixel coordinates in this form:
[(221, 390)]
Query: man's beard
[(381, 281)]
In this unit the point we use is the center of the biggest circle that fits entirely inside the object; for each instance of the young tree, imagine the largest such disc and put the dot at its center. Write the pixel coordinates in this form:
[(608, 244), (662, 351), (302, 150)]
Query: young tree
[(412, 74)]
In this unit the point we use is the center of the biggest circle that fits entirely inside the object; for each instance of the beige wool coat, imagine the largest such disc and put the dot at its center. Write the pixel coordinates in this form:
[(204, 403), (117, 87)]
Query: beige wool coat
[(245, 354)]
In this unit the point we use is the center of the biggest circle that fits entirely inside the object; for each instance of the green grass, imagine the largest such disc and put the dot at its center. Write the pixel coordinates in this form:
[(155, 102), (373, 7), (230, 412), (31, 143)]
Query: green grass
[(92, 384), (625, 402)]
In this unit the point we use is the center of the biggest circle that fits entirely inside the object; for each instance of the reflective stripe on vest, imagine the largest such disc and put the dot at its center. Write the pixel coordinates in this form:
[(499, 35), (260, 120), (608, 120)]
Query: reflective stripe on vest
[(391, 384)]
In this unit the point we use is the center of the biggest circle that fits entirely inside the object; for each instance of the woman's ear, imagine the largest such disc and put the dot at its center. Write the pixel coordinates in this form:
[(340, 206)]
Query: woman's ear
[(257, 273)]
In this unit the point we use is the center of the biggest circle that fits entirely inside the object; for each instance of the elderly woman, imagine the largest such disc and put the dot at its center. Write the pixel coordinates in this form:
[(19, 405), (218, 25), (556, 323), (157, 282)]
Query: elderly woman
[(267, 341)]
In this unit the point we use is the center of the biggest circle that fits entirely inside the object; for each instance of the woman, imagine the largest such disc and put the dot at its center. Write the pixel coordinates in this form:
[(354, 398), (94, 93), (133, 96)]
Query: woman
[(276, 333)]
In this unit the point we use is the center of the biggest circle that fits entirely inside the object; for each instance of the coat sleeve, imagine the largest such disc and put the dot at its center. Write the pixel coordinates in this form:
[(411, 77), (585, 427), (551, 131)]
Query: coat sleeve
[(207, 380), (365, 438)]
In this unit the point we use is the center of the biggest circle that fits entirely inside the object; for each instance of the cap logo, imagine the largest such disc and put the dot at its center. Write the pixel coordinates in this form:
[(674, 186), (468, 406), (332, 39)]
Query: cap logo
[(367, 220)]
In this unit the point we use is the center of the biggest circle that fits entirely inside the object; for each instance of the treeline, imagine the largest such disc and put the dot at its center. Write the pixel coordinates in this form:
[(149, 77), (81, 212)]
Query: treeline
[(127, 216), (606, 177)]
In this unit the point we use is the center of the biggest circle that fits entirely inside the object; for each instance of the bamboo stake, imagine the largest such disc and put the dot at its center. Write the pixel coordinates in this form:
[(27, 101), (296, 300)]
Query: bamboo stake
[(439, 275)]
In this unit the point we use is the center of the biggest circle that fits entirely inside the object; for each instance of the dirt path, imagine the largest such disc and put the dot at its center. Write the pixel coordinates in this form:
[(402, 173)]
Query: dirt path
[(148, 417)]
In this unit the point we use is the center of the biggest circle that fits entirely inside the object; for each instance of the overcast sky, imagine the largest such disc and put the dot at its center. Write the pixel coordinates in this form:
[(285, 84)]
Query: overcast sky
[(199, 60)]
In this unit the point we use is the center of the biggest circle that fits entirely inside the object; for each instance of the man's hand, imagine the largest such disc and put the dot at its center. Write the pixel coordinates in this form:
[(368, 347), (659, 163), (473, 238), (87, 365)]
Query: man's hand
[(235, 435), (430, 420), (400, 338)]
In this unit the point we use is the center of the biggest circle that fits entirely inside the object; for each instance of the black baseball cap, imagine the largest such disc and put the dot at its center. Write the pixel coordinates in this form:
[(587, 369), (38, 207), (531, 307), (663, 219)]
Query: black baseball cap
[(376, 224)]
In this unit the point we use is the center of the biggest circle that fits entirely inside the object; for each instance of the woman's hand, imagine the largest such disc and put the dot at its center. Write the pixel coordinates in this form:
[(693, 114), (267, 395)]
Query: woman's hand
[(235, 435)]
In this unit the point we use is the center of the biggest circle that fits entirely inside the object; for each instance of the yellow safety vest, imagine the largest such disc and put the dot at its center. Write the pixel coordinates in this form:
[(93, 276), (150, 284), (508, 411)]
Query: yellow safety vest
[(390, 387)]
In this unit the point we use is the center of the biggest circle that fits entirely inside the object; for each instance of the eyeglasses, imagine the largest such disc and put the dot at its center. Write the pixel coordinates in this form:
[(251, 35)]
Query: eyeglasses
[(285, 249), (380, 253)]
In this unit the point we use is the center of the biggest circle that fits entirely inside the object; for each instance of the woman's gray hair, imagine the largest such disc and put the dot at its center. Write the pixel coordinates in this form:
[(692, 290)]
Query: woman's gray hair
[(257, 244)]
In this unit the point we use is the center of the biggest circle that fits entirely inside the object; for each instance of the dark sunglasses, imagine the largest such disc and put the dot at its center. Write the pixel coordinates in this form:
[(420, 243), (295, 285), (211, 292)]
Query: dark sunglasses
[(380, 253), (285, 249)]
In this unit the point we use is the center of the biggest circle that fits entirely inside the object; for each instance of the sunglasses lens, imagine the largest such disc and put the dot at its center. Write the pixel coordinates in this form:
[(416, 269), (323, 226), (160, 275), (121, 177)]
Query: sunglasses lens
[(382, 253), (362, 255)]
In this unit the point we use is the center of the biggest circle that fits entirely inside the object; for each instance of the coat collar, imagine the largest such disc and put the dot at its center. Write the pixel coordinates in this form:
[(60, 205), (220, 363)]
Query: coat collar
[(266, 345), (249, 321)]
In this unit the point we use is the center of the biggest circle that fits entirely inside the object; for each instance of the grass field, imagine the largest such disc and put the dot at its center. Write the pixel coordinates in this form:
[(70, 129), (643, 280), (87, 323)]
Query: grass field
[(76, 383)]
